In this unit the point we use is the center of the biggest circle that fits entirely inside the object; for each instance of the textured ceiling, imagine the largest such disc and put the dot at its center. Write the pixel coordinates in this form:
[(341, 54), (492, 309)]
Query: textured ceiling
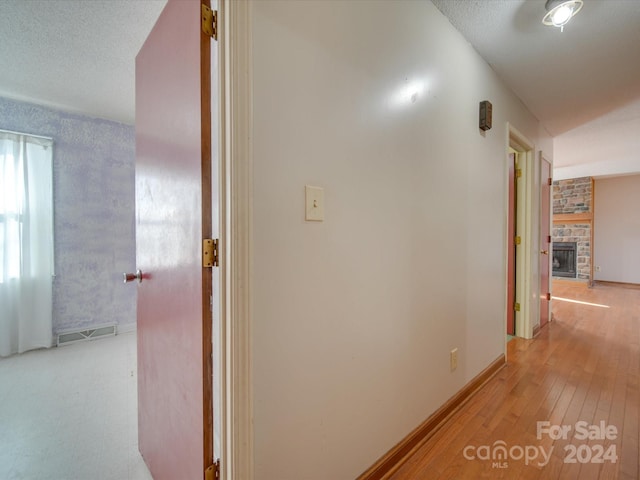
[(77, 55), (565, 78)]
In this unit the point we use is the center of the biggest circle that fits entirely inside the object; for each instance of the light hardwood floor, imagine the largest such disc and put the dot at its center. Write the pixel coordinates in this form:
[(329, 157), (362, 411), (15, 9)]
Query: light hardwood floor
[(583, 367)]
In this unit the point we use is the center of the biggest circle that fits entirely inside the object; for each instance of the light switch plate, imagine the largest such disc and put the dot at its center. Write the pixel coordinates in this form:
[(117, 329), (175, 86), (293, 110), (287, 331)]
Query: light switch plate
[(314, 203)]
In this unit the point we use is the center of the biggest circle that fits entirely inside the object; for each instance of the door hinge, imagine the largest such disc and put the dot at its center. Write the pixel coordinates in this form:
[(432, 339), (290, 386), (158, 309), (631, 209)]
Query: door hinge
[(210, 253), (549, 296), (517, 240), (548, 238), (518, 172), (213, 472), (209, 21), (516, 307), (550, 181)]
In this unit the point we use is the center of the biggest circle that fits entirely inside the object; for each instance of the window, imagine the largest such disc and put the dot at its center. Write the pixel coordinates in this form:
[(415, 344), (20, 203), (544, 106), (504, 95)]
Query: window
[(26, 242), (10, 218)]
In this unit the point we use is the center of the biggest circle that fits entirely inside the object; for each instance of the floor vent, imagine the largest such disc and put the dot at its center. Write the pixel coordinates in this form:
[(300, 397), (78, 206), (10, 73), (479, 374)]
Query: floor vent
[(75, 336)]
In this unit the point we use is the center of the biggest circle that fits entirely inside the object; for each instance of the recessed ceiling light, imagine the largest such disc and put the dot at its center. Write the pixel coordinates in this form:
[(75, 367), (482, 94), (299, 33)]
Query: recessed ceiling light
[(559, 12)]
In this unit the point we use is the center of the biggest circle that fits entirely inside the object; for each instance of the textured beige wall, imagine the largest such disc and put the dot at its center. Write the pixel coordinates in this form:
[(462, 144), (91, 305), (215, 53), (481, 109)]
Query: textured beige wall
[(617, 229), (354, 317)]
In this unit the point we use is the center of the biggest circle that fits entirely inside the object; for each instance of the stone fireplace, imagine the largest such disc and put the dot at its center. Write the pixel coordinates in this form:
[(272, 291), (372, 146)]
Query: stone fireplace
[(573, 224)]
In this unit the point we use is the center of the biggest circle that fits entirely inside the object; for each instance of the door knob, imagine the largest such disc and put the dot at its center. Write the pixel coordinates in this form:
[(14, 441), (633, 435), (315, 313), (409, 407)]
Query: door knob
[(544, 252), (130, 277)]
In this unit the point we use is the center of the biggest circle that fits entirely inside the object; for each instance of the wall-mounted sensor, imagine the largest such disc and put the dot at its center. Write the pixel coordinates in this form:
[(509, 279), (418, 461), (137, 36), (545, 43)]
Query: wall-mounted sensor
[(485, 115)]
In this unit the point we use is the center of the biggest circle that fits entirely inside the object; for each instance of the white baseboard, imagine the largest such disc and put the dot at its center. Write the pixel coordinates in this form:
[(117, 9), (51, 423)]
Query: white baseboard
[(126, 328)]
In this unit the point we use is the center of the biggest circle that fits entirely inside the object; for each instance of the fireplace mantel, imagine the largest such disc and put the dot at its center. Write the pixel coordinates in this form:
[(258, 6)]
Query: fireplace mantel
[(584, 217)]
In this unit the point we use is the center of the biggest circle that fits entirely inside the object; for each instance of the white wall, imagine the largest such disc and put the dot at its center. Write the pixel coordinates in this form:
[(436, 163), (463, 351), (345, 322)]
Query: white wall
[(617, 229), (608, 145), (354, 318)]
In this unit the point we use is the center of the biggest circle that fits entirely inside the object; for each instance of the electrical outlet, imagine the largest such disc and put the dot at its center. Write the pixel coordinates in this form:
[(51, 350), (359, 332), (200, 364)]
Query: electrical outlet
[(598, 268), (453, 359)]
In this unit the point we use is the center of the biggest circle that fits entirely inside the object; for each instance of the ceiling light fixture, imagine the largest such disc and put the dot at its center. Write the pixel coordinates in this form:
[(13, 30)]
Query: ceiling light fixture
[(559, 12)]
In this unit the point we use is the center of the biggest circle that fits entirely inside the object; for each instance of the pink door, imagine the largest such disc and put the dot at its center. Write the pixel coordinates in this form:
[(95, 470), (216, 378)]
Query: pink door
[(511, 248), (173, 216), (545, 240)]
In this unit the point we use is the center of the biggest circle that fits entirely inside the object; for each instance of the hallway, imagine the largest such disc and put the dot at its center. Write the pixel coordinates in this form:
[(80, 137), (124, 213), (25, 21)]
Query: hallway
[(580, 374)]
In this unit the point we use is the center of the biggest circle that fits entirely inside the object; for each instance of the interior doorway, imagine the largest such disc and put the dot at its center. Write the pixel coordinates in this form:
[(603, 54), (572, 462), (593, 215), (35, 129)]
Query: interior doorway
[(521, 242)]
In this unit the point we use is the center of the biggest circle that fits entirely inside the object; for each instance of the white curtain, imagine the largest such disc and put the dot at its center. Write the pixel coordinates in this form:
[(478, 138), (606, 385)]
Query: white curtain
[(26, 243)]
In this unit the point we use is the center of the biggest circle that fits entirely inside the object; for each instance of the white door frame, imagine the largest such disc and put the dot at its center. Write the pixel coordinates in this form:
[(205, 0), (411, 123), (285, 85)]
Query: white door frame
[(527, 215), (234, 44)]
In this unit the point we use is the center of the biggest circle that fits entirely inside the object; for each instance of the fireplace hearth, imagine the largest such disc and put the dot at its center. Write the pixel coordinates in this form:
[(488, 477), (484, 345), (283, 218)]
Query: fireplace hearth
[(564, 259)]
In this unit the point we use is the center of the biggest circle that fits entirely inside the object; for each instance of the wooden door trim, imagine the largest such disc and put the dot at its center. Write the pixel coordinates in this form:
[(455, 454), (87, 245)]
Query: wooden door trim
[(207, 278), (511, 248), (236, 253)]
